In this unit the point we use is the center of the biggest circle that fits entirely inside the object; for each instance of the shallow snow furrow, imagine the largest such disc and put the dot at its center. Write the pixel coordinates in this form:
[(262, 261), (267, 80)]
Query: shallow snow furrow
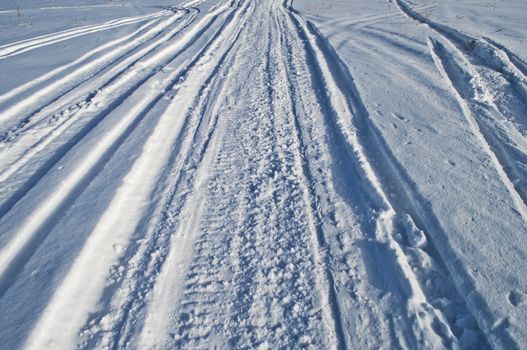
[(132, 196), (79, 61), (478, 114), (336, 229), (126, 298), (34, 230), (495, 82), (31, 44), (437, 280), (54, 101), (111, 97), (22, 146), (321, 249), (389, 222), (330, 172)]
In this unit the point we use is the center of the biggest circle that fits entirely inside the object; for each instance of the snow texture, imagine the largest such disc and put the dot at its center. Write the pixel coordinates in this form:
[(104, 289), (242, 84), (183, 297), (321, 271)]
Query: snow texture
[(268, 174)]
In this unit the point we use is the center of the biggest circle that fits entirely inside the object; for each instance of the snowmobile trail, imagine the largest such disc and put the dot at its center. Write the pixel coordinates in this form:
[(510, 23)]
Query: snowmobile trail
[(359, 137), (218, 177)]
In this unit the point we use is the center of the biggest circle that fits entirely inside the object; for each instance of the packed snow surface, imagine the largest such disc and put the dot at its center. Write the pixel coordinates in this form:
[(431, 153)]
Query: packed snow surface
[(270, 174)]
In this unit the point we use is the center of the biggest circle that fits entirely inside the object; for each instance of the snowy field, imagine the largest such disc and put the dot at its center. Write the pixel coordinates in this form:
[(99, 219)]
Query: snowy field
[(267, 174)]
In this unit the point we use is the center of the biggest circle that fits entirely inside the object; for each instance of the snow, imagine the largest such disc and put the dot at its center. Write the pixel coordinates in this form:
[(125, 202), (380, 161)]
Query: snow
[(263, 174)]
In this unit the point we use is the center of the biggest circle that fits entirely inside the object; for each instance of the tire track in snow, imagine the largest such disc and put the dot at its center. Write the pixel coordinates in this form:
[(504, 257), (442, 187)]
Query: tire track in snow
[(366, 144), (20, 145), (129, 292), (168, 290), (267, 297), (309, 111), (34, 230), (132, 196), (234, 281), (84, 58), (234, 242), (321, 250), (336, 219), (183, 237), (196, 313), (278, 224), (48, 39)]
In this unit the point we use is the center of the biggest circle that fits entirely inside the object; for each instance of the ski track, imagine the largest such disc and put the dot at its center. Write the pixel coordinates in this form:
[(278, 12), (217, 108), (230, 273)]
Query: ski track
[(26, 45), (494, 88), (34, 230), (260, 198), (56, 125), (13, 92), (71, 114), (45, 97), (120, 82)]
